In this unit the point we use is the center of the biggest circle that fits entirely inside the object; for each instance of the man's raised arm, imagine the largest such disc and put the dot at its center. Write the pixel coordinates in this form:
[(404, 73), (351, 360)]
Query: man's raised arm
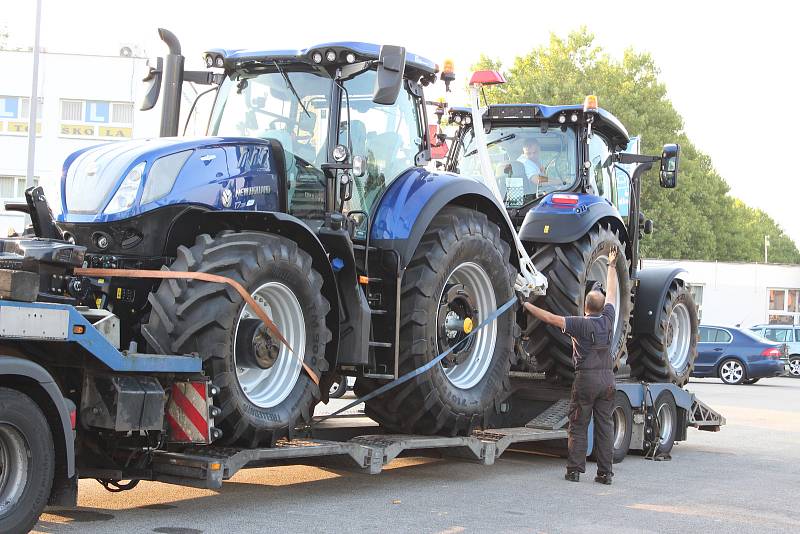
[(611, 278)]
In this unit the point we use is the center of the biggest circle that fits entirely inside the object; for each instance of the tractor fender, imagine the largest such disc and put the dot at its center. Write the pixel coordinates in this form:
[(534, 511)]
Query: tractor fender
[(414, 198), (653, 285), (550, 222), (198, 220), (34, 380)]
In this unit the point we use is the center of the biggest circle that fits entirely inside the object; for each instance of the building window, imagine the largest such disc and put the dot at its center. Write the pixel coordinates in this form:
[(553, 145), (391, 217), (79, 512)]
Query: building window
[(13, 187), (696, 291), (784, 306), (96, 119), (15, 113)]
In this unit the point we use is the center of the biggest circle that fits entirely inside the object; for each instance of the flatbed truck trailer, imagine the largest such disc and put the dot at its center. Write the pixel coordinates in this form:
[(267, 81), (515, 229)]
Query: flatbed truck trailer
[(151, 417)]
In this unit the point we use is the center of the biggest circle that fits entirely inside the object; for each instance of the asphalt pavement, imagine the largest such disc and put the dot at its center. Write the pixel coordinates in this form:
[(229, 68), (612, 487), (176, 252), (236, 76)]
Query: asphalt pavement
[(742, 479)]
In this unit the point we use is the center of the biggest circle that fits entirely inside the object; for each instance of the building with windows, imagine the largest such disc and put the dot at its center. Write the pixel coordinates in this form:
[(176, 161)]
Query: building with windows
[(83, 100), (743, 294)]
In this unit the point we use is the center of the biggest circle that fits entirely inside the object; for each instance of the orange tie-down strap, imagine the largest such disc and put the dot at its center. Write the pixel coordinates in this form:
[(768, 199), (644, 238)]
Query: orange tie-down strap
[(205, 277)]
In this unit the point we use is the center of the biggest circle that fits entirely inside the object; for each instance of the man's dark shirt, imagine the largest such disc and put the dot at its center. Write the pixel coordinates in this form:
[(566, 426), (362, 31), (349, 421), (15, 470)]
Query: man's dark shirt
[(591, 339)]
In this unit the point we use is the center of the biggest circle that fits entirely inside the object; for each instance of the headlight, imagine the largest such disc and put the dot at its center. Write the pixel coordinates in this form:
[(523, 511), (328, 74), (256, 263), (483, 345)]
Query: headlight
[(126, 194), (162, 176)]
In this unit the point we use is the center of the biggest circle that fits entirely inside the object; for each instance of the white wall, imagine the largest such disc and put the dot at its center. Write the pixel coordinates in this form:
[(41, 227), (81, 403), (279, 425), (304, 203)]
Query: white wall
[(735, 293), (69, 76)]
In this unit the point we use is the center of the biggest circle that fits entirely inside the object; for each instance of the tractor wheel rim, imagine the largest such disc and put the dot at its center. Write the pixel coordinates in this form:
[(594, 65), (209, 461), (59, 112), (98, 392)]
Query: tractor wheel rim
[(620, 427), (14, 460), (267, 388), (665, 423), (598, 271), (732, 371), (679, 337), (794, 366), (481, 347)]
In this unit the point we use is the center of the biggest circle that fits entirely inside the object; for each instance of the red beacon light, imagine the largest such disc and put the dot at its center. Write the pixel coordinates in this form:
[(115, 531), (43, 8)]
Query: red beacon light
[(565, 200), (486, 77)]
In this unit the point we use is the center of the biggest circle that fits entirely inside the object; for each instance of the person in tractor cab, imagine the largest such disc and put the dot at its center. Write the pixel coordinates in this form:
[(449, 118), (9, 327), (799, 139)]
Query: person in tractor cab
[(593, 389), (531, 159)]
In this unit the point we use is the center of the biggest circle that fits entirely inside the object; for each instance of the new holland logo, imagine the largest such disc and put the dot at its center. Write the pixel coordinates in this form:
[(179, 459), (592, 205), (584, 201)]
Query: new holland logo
[(253, 191), (227, 197)]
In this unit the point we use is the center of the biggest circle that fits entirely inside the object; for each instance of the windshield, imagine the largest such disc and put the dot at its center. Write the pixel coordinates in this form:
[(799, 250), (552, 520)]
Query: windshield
[(295, 113), (526, 162)]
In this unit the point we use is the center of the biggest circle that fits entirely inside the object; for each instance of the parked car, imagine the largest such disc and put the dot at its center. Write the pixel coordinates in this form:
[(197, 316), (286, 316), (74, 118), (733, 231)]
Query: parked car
[(737, 356), (788, 334)]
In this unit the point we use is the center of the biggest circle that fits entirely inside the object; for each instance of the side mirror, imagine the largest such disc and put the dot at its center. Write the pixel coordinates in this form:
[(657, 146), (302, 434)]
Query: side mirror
[(392, 64), (669, 166), (153, 84)]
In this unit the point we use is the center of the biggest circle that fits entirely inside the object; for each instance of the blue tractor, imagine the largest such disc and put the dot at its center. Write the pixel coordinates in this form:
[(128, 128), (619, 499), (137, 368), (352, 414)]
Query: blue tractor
[(310, 192), (570, 179)]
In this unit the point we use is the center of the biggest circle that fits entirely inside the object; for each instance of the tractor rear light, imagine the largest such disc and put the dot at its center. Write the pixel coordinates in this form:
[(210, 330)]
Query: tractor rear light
[(209, 61), (350, 57), (590, 104), (565, 200), (330, 55), (772, 352), (486, 77), (219, 62), (73, 418), (316, 57)]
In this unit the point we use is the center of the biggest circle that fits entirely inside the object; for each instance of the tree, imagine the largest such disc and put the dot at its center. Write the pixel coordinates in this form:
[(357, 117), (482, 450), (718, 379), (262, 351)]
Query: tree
[(698, 219)]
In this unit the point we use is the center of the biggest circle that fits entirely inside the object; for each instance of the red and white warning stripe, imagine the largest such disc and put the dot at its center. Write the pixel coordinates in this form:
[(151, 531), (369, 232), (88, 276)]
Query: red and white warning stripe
[(188, 413)]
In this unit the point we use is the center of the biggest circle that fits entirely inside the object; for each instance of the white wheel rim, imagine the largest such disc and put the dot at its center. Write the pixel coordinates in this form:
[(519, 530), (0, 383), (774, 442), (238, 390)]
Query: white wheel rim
[(14, 459), (267, 388), (794, 366), (665, 423), (679, 337), (468, 373), (731, 371), (620, 427)]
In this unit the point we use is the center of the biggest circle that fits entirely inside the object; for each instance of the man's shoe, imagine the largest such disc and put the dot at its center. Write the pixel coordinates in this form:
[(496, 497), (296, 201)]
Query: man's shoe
[(604, 479), (573, 476)]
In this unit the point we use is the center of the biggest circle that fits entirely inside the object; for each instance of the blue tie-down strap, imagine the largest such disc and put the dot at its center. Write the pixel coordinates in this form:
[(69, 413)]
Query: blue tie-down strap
[(419, 370)]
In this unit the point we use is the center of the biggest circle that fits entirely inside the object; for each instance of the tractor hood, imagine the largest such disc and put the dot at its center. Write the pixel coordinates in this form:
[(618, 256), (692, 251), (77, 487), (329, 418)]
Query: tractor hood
[(120, 180)]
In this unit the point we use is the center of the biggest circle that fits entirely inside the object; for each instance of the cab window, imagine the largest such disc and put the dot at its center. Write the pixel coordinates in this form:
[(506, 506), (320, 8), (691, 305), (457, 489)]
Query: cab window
[(601, 177), (389, 137)]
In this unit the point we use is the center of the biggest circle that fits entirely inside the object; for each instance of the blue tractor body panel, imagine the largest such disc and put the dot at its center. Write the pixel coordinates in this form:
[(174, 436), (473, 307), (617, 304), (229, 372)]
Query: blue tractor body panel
[(551, 222), (218, 173), (415, 197)]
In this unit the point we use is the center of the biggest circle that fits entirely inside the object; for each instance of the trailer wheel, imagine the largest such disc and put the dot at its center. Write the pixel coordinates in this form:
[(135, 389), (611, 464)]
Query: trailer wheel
[(668, 354), (27, 461), (338, 387), (570, 268), (662, 425), (623, 426), (459, 274), (264, 391)]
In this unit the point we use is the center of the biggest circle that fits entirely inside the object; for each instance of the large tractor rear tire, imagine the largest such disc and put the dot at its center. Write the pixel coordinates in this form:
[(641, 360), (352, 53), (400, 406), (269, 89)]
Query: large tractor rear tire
[(668, 354), (570, 269), (264, 391), (459, 274)]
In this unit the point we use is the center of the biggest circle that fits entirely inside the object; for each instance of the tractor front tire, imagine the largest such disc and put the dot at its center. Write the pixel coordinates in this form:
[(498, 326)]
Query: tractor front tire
[(668, 354), (570, 269), (460, 270), (262, 400)]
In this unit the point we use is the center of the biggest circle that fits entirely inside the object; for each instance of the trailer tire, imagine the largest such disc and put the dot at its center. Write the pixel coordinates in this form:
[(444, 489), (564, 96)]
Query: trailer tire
[(259, 404), (461, 259), (668, 354), (623, 426), (27, 461), (569, 267), (340, 383), (662, 425)]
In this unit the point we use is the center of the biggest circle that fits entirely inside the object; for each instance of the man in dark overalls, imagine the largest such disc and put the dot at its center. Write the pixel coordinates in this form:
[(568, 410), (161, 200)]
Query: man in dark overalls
[(593, 389)]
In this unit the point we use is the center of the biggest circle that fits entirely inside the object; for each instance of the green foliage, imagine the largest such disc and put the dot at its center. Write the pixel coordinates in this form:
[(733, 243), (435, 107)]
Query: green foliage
[(698, 219)]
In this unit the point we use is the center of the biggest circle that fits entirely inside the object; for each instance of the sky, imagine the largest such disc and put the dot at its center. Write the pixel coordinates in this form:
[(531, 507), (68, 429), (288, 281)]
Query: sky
[(730, 67)]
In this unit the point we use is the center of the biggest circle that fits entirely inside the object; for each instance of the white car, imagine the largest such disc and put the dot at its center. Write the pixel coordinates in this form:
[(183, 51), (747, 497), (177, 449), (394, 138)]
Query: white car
[(789, 334)]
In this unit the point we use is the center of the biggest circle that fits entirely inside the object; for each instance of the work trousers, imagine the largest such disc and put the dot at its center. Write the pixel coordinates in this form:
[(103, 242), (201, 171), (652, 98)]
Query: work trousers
[(592, 394)]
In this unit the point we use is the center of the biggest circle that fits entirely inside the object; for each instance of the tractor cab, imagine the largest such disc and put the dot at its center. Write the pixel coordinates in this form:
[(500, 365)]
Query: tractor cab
[(536, 150), (349, 118)]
